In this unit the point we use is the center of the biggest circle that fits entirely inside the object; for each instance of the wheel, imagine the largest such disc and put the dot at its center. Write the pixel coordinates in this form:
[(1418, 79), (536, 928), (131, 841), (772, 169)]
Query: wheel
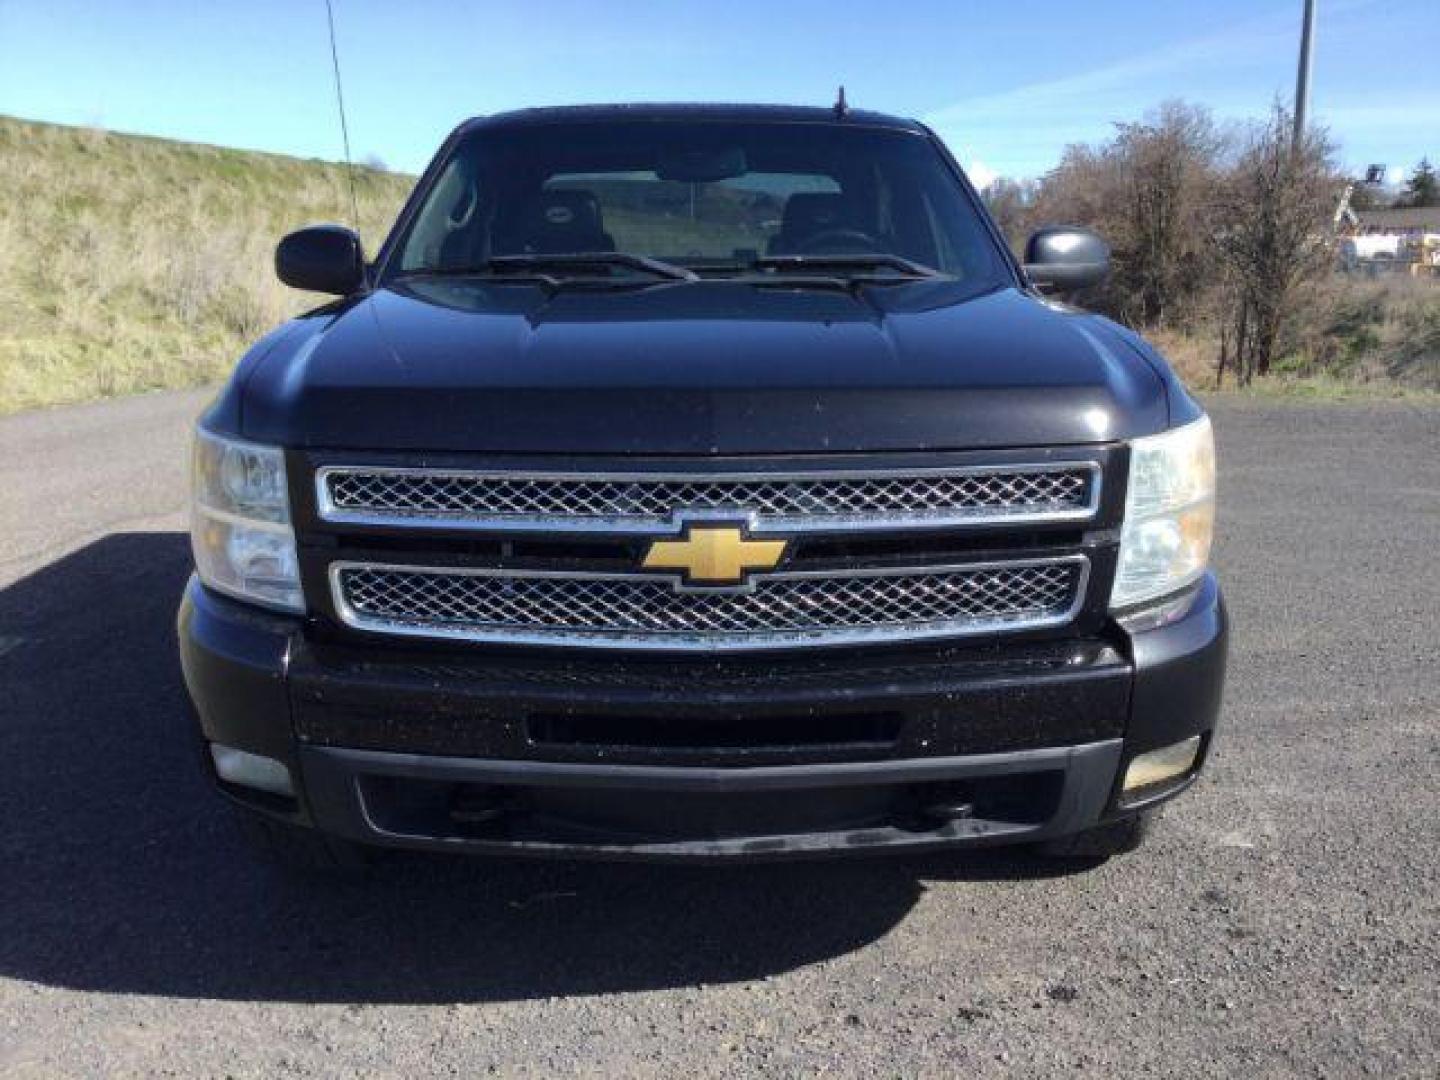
[(302, 852), (1099, 843)]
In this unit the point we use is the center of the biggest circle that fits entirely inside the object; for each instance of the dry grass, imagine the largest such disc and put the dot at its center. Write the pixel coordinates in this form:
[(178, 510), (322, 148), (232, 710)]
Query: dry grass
[(130, 264), (1191, 355), (1386, 330), (1351, 337)]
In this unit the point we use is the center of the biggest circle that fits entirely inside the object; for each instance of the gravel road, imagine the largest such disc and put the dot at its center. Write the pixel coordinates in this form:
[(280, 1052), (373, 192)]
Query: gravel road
[(1285, 918)]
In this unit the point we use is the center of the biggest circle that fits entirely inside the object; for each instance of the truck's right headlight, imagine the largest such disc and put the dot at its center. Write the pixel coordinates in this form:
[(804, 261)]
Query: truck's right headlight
[(1169, 514), (240, 527)]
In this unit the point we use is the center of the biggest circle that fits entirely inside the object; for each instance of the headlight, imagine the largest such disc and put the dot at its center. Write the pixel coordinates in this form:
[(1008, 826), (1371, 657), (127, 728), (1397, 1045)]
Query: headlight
[(240, 528), (1169, 514)]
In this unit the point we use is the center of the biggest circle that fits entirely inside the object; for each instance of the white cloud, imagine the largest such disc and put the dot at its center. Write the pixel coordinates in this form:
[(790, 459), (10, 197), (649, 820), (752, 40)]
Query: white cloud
[(981, 175)]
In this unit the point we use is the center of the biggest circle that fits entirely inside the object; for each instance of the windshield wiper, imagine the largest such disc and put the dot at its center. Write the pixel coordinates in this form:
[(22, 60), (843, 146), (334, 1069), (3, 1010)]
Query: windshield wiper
[(592, 259), (849, 272), (489, 276), (907, 268), (530, 270)]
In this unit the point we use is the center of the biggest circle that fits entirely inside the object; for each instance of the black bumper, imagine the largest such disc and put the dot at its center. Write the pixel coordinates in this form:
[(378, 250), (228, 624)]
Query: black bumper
[(490, 751)]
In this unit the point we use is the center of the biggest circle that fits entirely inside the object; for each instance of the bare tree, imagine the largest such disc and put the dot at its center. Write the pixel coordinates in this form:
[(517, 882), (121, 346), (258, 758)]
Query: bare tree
[(1080, 190), (1276, 208), (1164, 253), (1010, 203), (1150, 191)]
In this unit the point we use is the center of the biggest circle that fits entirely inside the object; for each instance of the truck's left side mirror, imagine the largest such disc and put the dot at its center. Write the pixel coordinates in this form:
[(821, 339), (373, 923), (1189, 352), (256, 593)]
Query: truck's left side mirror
[(1065, 259), (322, 258)]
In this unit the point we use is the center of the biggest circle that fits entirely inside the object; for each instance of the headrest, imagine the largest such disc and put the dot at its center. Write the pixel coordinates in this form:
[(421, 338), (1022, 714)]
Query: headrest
[(568, 212)]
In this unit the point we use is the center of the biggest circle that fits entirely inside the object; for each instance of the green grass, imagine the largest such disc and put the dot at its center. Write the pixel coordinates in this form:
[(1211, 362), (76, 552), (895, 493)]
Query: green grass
[(131, 264)]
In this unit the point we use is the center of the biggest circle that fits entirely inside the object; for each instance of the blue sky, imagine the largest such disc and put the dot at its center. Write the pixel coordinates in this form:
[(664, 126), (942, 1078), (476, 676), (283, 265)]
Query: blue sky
[(1007, 84)]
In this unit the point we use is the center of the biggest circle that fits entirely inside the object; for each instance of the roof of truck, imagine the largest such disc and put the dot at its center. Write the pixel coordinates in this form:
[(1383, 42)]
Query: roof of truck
[(744, 113)]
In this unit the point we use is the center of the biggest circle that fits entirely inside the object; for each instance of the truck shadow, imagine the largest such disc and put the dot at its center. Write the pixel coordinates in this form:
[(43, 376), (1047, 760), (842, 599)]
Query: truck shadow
[(122, 872)]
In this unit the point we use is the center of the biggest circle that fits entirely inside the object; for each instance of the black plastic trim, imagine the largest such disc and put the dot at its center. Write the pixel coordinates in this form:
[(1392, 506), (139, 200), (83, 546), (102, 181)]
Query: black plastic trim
[(333, 777)]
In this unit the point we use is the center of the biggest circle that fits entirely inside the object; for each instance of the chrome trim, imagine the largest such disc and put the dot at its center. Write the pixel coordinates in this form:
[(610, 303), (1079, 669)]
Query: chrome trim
[(674, 524), (701, 641)]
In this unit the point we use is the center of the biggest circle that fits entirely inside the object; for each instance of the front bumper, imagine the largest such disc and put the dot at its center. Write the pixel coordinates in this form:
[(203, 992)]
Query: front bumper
[(459, 751)]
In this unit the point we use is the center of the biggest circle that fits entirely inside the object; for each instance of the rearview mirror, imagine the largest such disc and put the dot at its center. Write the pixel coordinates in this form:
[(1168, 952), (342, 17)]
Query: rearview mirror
[(698, 165), (322, 258), (1066, 258)]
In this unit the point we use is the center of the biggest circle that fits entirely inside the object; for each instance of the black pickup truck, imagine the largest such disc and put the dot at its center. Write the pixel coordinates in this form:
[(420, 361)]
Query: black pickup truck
[(700, 483)]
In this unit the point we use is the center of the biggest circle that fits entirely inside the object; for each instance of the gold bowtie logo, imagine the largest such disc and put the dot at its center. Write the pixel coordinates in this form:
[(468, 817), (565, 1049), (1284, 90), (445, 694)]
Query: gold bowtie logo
[(714, 555)]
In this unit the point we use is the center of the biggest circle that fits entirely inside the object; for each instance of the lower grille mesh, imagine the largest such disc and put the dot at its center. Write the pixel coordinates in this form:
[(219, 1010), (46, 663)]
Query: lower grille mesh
[(636, 611)]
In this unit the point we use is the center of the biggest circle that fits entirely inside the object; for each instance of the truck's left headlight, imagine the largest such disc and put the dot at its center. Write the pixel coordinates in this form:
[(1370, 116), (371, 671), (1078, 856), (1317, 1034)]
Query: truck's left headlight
[(1169, 515), (240, 526)]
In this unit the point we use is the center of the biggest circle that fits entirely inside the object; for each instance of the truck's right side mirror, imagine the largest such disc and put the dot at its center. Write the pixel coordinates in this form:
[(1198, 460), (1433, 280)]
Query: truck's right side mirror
[(322, 258), (1066, 258)]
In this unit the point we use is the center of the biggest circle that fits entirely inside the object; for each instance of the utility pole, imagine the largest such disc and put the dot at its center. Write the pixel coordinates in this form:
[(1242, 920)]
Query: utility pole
[(1302, 77)]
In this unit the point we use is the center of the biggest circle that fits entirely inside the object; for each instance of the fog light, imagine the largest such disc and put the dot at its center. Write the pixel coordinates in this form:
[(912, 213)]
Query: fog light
[(1158, 766), (252, 770)]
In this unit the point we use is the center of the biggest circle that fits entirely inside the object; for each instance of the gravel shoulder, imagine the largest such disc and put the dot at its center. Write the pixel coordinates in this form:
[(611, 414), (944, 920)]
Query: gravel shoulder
[(1283, 919)]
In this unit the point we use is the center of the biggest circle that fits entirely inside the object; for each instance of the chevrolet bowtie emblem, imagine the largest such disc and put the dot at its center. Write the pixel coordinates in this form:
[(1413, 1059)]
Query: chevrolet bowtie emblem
[(714, 555)]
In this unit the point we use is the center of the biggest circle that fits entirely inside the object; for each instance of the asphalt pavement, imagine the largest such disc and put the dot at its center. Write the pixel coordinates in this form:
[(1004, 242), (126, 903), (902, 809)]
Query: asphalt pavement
[(1283, 920)]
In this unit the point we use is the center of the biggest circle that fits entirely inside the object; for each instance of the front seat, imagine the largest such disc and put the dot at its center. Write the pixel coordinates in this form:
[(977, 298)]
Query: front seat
[(806, 215), (559, 222)]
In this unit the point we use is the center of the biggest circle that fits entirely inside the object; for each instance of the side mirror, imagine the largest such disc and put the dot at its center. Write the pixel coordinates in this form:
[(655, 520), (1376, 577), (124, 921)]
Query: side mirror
[(322, 258), (1065, 259)]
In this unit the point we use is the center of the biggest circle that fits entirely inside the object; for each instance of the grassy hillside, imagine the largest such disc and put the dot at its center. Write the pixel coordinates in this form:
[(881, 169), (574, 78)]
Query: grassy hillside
[(130, 263)]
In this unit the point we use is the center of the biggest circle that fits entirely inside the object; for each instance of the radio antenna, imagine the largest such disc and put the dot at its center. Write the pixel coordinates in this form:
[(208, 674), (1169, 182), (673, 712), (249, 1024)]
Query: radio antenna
[(344, 128)]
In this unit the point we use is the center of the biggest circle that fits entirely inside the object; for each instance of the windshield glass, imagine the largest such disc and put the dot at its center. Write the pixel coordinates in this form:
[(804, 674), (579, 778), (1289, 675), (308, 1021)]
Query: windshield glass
[(714, 197)]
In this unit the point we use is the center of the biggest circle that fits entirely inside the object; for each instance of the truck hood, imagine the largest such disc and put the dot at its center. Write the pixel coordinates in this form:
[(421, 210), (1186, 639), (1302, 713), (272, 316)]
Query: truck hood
[(461, 366)]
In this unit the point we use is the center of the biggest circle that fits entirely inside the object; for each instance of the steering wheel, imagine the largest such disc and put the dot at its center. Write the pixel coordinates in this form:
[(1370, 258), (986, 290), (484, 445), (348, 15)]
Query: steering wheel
[(838, 242)]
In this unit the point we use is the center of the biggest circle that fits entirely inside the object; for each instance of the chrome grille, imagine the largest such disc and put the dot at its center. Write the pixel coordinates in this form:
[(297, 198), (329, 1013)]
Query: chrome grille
[(646, 501), (641, 611)]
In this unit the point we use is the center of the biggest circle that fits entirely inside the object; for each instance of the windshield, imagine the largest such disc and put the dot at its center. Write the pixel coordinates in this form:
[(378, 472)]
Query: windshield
[(713, 197)]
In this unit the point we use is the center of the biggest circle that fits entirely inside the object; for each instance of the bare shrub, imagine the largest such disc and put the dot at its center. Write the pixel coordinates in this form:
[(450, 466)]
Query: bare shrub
[(1150, 190), (190, 279), (1011, 204), (1165, 256), (1276, 204)]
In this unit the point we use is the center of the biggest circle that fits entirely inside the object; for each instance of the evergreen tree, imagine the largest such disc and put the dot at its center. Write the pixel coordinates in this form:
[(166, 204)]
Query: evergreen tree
[(1424, 186)]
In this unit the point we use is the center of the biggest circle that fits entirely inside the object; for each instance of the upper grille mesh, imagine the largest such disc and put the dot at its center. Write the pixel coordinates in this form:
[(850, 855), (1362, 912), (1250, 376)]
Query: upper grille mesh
[(639, 611), (420, 495)]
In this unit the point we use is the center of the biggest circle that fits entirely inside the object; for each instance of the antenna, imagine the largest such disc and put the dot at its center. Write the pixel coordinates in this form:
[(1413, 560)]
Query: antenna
[(344, 128), (842, 109)]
